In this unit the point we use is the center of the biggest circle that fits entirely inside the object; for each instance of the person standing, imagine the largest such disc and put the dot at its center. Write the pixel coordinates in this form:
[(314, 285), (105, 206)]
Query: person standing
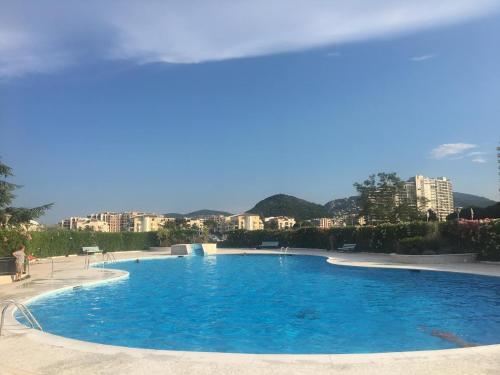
[(20, 256)]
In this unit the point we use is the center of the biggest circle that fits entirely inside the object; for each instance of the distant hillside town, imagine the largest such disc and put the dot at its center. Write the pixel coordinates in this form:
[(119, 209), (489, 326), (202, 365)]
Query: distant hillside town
[(282, 212)]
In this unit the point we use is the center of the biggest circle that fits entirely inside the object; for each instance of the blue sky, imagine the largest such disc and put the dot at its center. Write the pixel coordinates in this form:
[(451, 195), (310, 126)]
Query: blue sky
[(101, 120)]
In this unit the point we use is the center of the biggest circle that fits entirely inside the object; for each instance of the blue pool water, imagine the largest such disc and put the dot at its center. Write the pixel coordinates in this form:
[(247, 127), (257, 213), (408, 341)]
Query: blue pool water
[(276, 304)]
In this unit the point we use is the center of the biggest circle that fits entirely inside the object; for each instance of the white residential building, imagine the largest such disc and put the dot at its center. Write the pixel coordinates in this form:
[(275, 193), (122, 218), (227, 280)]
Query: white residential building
[(148, 222), (427, 193), (84, 223), (323, 222), (195, 223), (112, 218), (282, 222), (242, 221)]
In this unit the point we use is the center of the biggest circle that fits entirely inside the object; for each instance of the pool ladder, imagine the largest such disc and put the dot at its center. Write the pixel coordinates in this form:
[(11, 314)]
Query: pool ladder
[(108, 257), (23, 309), (284, 250)]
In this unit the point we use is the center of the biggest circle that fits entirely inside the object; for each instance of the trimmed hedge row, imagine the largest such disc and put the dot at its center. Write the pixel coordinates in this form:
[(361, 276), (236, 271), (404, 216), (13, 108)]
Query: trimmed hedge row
[(63, 242), (409, 238), (381, 238)]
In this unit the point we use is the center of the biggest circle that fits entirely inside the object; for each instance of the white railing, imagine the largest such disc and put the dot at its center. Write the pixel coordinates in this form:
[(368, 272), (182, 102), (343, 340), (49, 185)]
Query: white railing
[(23, 309)]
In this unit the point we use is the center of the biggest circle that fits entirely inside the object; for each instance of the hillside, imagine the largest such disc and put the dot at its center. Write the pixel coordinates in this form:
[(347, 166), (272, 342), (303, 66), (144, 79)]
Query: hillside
[(175, 215), (198, 213), (287, 205), (206, 212), (343, 207), (471, 200)]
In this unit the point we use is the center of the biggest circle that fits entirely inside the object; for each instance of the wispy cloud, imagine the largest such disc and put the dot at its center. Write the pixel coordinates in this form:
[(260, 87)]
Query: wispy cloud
[(44, 36), (479, 159), (422, 58), (333, 54), (451, 149), (475, 153)]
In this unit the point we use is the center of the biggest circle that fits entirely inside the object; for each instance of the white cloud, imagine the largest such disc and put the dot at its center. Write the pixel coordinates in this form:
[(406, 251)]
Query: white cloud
[(450, 149), (475, 153), (43, 36), (479, 159), (422, 58)]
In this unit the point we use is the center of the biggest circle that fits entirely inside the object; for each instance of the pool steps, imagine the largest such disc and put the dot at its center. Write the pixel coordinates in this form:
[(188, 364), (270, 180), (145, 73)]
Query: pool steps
[(23, 309)]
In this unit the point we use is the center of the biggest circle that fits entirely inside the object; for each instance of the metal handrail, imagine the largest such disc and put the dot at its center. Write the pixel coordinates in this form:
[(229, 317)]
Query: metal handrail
[(23, 309), (106, 257), (87, 261), (52, 269), (109, 257)]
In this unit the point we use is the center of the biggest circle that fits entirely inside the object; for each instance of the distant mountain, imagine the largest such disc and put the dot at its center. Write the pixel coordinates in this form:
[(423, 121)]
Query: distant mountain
[(471, 200), (197, 214), (343, 207), (175, 215), (206, 212), (287, 205)]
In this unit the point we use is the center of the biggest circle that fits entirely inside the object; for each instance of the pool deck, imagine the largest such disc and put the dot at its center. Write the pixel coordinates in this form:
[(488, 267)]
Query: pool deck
[(28, 351)]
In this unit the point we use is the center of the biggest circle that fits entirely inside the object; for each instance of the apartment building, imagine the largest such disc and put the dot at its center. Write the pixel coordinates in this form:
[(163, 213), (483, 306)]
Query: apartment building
[(84, 223), (70, 222), (427, 193), (195, 223), (323, 222), (112, 218), (127, 220), (241, 221), (282, 222), (148, 222)]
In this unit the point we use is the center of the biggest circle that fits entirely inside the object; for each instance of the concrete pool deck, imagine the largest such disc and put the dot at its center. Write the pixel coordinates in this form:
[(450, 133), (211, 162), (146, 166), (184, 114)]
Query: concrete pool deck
[(28, 351)]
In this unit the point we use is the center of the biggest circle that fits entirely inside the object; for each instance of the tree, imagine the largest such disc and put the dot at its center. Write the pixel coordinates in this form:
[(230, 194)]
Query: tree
[(176, 232), (271, 225), (383, 199), (211, 225), (431, 215), (15, 215), (303, 224)]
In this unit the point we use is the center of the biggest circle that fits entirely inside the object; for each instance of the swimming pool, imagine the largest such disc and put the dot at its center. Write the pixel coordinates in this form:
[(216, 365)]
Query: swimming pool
[(276, 304)]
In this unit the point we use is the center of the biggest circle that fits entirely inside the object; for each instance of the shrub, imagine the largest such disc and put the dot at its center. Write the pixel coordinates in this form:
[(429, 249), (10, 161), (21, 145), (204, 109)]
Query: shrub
[(411, 245), (10, 240), (63, 242), (416, 238), (488, 241)]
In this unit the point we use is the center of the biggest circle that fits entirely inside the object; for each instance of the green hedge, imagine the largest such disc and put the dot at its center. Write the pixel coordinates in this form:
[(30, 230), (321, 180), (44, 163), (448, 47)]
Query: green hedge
[(381, 238), (409, 238), (447, 237), (418, 245), (63, 242)]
